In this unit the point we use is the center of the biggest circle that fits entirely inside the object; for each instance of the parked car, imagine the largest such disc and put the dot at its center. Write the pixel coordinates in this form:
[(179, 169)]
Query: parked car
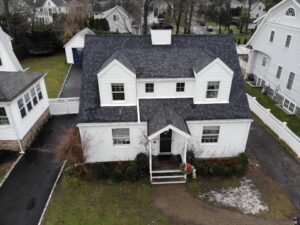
[(202, 23), (210, 29)]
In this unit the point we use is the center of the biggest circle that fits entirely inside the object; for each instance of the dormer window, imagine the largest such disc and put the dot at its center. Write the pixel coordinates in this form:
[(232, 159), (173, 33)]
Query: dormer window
[(212, 89), (290, 12), (118, 93)]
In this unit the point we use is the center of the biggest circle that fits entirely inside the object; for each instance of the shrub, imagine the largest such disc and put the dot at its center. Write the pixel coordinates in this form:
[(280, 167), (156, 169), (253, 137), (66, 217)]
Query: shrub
[(239, 41), (132, 172), (230, 31), (117, 175), (101, 171), (142, 163), (245, 41), (190, 157), (242, 163), (214, 169), (201, 168)]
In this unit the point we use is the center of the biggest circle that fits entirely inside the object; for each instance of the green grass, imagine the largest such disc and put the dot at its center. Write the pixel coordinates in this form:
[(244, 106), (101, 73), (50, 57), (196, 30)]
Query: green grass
[(56, 68), (77, 201), (243, 38), (293, 122)]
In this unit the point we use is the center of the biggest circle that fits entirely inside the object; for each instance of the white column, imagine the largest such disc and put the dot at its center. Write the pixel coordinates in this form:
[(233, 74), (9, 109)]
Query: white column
[(185, 150), (150, 161)]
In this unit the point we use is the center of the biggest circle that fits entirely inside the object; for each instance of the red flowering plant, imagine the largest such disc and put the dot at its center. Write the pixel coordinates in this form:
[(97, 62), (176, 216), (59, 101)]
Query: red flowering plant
[(186, 168)]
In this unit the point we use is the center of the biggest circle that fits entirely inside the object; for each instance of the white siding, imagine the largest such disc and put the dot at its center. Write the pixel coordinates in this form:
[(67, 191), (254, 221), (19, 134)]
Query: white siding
[(7, 132), (22, 125), (278, 54), (100, 142), (117, 73), (232, 138), (216, 71), (166, 88)]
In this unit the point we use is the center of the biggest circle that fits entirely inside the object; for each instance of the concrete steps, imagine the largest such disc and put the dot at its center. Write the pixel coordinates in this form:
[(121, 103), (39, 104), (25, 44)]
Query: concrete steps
[(168, 177)]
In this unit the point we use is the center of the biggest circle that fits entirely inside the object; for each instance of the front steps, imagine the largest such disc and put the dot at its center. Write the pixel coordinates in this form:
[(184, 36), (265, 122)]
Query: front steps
[(168, 177)]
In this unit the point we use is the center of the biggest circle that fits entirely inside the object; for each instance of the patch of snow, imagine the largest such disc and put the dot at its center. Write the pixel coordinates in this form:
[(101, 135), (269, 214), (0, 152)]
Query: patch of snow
[(245, 197)]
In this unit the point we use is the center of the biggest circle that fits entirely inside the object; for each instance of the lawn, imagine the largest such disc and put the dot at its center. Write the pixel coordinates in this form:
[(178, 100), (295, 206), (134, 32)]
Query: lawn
[(56, 68), (293, 122), (77, 201)]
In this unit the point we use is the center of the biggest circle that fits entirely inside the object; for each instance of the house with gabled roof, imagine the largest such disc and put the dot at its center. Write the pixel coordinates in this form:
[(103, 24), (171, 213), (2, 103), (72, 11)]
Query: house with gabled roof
[(273, 57), (163, 95), (119, 20), (24, 106)]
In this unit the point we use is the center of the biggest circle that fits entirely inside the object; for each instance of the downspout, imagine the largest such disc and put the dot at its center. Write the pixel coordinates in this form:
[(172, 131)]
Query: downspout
[(138, 110)]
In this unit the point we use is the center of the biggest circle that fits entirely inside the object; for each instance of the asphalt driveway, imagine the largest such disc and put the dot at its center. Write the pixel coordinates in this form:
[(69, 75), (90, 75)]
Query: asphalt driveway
[(72, 85), (275, 161), (25, 193)]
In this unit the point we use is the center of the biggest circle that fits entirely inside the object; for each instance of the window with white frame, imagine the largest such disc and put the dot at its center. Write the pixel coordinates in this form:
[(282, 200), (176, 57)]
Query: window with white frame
[(289, 105), (210, 134), (212, 89), (115, 17), (272, 34), (290, 12), (22, 107), (290, 82), (33, 96), (288, 41), (118, 93), (180, 87), (28, 102), (39, 91), (264, 61), (149, 87), (121, 136), (279, 71), (3, 117)]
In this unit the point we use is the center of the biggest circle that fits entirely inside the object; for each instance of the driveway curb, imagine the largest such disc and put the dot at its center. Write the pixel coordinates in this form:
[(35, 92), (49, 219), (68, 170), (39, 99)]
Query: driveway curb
[(51, 193), (11, 169)]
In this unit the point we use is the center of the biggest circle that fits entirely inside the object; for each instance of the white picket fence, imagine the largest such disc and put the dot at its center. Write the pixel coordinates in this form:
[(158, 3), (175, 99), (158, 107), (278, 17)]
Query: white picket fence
[(63, 106), (278, 127)]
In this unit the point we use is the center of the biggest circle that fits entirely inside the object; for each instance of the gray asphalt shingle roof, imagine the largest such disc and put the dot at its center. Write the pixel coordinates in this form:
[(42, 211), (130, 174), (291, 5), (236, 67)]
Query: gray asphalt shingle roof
[(169, 61), (14, 83)]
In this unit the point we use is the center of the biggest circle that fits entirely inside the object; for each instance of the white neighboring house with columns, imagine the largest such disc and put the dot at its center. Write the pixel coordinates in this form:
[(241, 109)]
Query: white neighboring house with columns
[(24, 106), (163, 95), (274, 55), (46, 9)]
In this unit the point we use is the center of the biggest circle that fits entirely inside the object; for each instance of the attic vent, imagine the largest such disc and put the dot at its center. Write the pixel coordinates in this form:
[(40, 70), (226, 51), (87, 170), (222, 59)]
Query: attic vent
[(161, 33)]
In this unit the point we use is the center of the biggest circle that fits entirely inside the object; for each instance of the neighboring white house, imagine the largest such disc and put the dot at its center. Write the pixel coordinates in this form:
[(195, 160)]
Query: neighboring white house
[(45, 9), (119, 20), (23, 101), (274, 56), (74, 47), (257, 7), (163, 95)]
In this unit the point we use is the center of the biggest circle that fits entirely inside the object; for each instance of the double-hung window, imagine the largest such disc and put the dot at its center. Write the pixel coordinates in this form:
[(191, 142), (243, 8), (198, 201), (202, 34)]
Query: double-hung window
[(279, 71), (149, 87), (210, 134), (3, 117), (212, 89), (272, 36), (290, 82), (33, 96), (28, 101), (288, 41), (118, 93), (39, 91), (264, 61), (121, 136), (180, 87), (22, 108)]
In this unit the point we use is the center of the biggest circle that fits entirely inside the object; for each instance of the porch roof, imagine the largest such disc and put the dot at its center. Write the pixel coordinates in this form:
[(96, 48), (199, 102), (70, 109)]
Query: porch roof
[(166, 118)]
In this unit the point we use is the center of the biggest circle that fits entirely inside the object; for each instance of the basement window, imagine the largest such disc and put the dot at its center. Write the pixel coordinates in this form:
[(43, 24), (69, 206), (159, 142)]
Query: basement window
[(3, 117)]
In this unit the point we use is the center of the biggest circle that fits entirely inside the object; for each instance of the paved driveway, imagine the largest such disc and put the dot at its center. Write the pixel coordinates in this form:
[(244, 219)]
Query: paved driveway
[(25, 193), (72, 84), (275, 161)]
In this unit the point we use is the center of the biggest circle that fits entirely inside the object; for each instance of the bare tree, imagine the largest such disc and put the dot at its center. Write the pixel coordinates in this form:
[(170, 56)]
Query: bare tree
[(145, 16)]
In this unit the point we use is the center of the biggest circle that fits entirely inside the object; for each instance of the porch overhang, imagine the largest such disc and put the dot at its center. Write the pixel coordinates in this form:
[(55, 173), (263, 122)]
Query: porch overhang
[(169, 127)]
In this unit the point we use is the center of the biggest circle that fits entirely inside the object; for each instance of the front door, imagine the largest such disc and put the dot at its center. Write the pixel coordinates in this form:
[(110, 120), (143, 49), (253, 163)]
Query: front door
[(166, 142)]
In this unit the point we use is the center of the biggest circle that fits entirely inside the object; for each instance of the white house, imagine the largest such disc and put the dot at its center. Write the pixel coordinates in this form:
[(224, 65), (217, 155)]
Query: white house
[(74, 47), (119, 20), (257, 8), (45, 9), (163, 95), (273, 58), (23, 101)]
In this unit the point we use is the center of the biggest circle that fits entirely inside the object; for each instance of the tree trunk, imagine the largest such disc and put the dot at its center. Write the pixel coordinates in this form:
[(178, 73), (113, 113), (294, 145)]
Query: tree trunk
[(146, 10), (191, 16), (179, 16), (248, 15), (7, 17), (186, 21)]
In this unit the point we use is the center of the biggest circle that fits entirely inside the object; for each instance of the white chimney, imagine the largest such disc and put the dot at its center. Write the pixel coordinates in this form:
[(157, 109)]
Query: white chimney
[(161, 33)]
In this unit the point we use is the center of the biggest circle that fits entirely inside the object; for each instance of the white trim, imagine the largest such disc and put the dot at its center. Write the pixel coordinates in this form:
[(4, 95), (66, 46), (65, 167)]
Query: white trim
[(165, 97), (110, 65), (51, 193), (141, 80), (219, 121), (152, 136), (90, 32), (110, 124), (118, 103), (10, 170), (218, 61), (63, 85), (212, 102)]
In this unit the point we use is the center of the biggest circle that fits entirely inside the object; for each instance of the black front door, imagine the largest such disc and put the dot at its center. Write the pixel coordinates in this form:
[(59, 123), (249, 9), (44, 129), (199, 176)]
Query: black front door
[(166, 141)]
